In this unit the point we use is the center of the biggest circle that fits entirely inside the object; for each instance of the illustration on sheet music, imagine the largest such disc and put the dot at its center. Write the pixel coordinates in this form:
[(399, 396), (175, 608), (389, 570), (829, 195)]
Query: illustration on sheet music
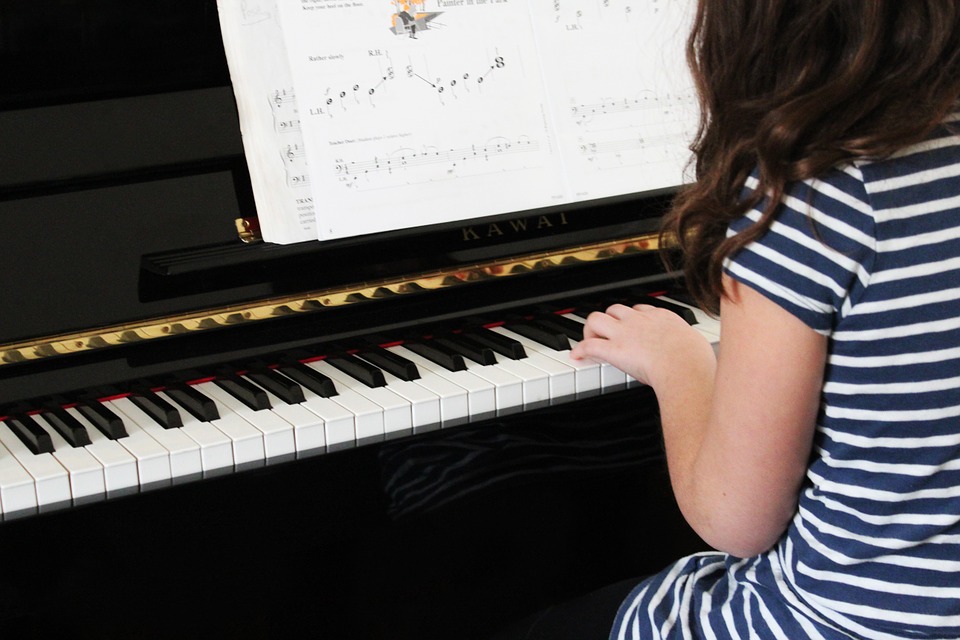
[(409, 17)]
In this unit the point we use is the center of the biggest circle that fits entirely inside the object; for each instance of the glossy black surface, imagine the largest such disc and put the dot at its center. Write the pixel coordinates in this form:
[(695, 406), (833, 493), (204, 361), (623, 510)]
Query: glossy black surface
[(56, 51)]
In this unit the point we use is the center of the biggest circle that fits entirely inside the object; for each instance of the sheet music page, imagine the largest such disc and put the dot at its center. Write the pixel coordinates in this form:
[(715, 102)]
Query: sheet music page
[(269, 119), (621, 94), (389, 114), (414, 115)]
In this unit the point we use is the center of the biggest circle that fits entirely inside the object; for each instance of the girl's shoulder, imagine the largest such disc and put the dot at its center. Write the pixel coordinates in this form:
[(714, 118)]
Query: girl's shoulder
[(912, 171)]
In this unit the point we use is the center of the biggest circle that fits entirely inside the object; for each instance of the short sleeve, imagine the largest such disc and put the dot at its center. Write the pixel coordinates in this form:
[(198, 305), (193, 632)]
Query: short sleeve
[(817, 253)]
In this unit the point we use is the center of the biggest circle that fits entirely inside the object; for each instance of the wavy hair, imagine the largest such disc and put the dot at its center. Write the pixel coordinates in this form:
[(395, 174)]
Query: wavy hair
[(791, 88)]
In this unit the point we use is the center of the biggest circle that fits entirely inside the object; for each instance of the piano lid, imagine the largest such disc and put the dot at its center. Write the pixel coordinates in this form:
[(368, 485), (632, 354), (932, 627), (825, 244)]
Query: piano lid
[(123, 177)]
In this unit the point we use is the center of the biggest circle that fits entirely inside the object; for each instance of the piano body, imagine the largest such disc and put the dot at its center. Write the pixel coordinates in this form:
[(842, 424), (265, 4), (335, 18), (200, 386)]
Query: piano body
[(207, 435)]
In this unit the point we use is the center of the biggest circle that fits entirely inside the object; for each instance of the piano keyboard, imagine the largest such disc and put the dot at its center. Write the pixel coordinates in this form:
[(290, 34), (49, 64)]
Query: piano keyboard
[(92, 450)]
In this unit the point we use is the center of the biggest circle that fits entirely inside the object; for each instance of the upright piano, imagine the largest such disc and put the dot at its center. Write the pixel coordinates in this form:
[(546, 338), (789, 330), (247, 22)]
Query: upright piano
[(206, 435)]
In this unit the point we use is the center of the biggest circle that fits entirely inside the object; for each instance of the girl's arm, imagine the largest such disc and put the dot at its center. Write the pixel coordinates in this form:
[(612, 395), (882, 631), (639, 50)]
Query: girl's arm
[(738, 429)]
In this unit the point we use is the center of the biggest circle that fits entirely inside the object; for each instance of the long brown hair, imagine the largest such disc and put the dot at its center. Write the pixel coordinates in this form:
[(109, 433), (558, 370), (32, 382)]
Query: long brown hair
[(790, 88)]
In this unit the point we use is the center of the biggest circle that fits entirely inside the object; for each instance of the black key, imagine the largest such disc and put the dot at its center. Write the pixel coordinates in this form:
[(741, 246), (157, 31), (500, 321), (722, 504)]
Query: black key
[(308, 378), (67, 426), (391, 363), (583, 310), (279, 385), (359, 369), (684, 312), (559, 324), (438, 354), (243, 390), (546, 337), (200, 406), (164, 413), (469, 349), (109, 423), (585, 307), (504, 345), (30, 433)]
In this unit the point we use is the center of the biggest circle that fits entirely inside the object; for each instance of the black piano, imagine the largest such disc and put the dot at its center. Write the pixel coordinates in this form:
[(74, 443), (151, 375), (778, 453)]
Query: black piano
[(194, 441)]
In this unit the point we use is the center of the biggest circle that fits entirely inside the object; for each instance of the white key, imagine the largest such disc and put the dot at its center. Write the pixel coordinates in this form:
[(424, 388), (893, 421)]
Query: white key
[(397, 416), (536, 382), (246, 439), (424, 404), (185, 460), (587, 374), (119, 465), (368, 415), (17, 488), (563, 377), (277, 434), (339, 423), (153, 461), (308, 427), (85, 471), (51, 481), (508, 388), (454, 399), (216, 449), (481, 395)]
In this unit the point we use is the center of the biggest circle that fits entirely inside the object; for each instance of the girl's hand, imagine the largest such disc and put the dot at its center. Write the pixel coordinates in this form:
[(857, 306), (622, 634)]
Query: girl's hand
[(738, 428), (651, 344)]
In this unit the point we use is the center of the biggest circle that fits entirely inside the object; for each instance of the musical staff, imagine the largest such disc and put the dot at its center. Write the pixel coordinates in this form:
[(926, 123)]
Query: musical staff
[(295, 165), (620, 146), (586, 13), (281, 97), (283, 106), (572, 19), (631, 151), (411, 80), (669, 107), (445, 162)]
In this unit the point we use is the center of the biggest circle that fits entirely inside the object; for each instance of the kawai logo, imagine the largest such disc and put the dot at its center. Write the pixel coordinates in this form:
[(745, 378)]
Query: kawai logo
[(520, 226)]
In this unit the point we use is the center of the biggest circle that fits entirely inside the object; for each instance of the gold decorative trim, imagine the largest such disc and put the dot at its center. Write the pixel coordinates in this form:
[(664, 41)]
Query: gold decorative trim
[(151, 329)]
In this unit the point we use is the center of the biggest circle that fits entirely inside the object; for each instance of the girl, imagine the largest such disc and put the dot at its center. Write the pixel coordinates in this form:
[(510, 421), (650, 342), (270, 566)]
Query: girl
[(819, 453)]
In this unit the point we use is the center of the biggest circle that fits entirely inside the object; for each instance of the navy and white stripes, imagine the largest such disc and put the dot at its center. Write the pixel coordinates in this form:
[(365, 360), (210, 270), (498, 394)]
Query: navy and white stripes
[(868, 255)]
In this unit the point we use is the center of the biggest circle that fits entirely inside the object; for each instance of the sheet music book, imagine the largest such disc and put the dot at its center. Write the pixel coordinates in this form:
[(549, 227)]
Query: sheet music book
[(362, 116)]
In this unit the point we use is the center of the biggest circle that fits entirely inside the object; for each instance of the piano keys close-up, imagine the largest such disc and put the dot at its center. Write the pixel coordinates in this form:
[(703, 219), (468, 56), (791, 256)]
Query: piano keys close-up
[(206, 434)]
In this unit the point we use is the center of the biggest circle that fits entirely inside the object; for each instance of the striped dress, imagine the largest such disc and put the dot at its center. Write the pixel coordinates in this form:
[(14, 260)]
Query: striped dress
[(868, 255)]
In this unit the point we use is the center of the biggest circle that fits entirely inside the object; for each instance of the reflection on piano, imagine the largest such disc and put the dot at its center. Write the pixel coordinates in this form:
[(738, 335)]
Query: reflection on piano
[(376, 437)]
